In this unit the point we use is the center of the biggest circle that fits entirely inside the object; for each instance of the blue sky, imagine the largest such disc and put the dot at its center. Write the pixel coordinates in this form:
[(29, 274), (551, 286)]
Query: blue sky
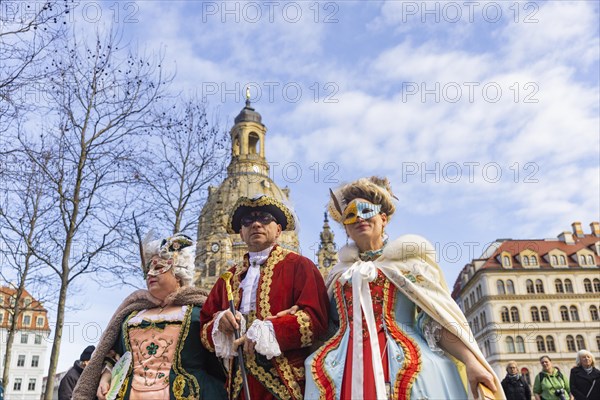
[(483, 115)]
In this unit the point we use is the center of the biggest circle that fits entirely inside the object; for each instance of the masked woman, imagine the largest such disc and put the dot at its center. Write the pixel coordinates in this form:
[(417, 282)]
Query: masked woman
[(160, 328), (400, 335)]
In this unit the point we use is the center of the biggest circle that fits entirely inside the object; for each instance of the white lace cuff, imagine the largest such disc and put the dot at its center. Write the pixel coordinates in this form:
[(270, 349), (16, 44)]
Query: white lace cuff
[(223, 341), (262, 334)]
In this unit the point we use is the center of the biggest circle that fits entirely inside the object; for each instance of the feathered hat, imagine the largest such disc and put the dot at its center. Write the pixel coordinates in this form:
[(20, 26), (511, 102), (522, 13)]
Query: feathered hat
[(374, 189)]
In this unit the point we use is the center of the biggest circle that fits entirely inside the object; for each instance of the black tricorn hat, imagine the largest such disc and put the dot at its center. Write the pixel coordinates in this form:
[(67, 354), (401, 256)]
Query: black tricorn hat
[(276, 208)]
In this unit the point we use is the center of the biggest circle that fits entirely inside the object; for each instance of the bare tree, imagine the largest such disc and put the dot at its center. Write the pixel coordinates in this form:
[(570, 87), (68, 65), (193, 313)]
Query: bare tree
[(28, 28), (23, 208), (98, 104), (187, 152)]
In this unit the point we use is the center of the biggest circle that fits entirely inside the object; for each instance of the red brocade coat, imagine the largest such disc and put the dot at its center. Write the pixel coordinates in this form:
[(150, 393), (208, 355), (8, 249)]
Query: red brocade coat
[(286, 279)]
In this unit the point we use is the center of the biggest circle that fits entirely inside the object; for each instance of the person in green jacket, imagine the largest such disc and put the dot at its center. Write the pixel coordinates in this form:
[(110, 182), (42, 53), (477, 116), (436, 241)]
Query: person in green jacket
[(550, 384)]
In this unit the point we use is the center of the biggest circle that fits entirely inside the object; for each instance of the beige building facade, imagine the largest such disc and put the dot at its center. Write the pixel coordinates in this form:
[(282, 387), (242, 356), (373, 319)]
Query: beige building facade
[(528, 298)]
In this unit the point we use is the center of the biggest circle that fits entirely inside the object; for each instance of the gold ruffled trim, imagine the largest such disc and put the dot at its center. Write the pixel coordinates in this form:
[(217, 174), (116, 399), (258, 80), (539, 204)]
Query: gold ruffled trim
[(389, 297)]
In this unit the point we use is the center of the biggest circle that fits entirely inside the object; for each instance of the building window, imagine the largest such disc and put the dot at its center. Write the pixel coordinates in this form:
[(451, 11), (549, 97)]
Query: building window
[(550, 344), (587, 284), (582, 259), (574, 313), (520, 345), (27, 320), (598, 342), (504, 315), (17, 385), (24, 338), (510, 345), (27, 301), (488, 347), (544, 314), (466, 303), (535, 314), (591, 260), (554, 260), (35, 361), (38, 339), (514, 314), (533, 260), (596, 285), (568, 286), (564, 313), (479, 295), (541, 346), (21, 360), (580, 342), (506, 261), (539, 286), (559, 286), (472, 298), (500, 287), (1, 318), (510, 287), (31, 385), (483, 319), (570, 343), (563, 260), (529, 284), (594, 313), (525, 261)]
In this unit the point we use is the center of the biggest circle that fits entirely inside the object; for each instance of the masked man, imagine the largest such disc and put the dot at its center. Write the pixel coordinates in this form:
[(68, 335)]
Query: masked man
[(270, 281)]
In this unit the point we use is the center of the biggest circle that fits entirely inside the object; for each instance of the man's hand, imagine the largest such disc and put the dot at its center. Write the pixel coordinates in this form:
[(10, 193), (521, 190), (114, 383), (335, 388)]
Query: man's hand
[(228, 323), (247, 343), (289, 311)]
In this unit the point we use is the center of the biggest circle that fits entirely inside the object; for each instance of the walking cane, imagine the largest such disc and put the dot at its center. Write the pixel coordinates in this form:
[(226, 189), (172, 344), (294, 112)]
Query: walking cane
[(227, 278)]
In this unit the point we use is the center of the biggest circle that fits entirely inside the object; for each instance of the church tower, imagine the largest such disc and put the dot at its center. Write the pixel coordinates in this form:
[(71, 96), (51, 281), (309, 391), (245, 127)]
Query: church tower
[(247, 175), (327, 254)]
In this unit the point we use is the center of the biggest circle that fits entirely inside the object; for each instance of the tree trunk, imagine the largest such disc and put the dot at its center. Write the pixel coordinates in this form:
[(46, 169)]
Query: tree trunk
[(60, 319)]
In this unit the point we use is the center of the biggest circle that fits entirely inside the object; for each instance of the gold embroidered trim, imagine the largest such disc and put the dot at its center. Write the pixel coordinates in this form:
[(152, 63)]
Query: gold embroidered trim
[(182, 375), (266, 278), (306, 334), (289, 380), (270, 380), (204, 336), (262, 201)]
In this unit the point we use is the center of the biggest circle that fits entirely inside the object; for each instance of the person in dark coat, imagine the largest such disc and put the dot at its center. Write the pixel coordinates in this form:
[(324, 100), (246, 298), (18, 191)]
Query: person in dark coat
[(68, 382), (514, 385), (585, 377)]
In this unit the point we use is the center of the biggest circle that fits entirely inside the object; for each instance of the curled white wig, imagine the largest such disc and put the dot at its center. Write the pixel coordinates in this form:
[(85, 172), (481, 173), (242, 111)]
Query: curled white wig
[(181, 248)]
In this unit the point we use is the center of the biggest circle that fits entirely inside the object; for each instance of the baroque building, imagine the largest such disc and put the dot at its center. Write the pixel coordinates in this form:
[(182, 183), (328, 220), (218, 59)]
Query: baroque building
[(528, 298), (327, 253), (28, 350), (247, 175)]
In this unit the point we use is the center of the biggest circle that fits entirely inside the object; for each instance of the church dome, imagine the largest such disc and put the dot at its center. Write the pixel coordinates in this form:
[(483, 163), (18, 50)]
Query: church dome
[(248, 115)]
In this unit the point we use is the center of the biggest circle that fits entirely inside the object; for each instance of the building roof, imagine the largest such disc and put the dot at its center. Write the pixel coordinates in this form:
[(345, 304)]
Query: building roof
[(567, 243), (34, 309)]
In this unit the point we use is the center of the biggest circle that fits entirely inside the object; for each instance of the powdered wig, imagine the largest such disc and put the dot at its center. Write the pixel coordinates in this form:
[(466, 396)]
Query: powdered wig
[(584, 352), (374, 189), (181, 249)]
